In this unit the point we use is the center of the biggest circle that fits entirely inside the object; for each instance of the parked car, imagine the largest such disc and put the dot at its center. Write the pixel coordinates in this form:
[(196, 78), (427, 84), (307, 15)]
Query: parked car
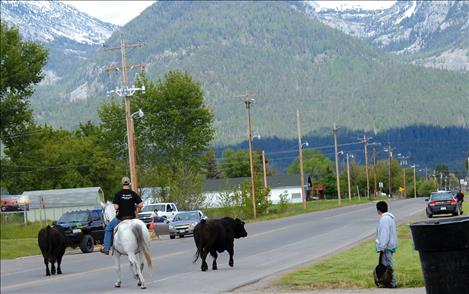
[(442, 203), (83, 228), (165, 210), (184, 223)]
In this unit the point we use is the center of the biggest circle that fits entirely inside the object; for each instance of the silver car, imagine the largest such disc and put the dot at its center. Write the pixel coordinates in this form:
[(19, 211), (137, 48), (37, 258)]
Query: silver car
[(184, 222)]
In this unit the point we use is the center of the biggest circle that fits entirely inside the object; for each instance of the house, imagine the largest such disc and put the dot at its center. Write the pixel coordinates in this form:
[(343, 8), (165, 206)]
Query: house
[(288, 185)]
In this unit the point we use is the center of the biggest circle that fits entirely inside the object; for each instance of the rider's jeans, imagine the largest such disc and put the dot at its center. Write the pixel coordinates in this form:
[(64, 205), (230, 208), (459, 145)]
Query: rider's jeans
[(108, 233)]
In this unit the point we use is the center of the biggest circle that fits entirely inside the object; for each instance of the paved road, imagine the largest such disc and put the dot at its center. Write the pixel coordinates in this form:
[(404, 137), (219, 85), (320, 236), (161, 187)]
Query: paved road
[(271, 247)]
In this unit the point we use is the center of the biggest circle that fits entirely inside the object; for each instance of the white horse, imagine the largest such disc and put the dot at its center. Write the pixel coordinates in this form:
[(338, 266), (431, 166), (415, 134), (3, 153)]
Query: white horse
[(131, 238)]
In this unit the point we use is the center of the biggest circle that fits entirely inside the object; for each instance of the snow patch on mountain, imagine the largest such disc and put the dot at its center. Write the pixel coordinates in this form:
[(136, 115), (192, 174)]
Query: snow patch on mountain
[(46, 21)]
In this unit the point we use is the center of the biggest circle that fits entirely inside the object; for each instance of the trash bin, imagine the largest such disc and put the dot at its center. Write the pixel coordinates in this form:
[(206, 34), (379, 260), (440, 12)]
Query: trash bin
[(443, 246)]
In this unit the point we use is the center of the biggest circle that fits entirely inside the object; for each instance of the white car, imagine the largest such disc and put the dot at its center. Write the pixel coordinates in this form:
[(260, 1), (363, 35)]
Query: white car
[(165, 210)]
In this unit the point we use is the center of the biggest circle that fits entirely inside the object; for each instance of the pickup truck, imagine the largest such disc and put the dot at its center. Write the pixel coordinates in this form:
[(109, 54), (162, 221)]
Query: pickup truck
[(83, 228), (165, 210)]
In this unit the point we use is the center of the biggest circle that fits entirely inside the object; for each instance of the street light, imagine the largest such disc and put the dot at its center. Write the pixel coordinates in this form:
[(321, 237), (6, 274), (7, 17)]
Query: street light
[(139, 112)]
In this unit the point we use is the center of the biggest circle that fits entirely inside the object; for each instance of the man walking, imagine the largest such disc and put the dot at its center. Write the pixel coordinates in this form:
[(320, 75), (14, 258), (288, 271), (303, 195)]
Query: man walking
[(125, 202), (386, 237)]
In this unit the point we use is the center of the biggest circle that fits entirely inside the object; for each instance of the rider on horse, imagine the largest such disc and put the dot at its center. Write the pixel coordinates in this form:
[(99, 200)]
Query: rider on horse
[(125, 201)]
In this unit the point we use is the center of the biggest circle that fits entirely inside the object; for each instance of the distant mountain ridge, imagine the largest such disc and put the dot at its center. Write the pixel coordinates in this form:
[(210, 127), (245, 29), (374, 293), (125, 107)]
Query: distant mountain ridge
[(431, 33), (287, 60)]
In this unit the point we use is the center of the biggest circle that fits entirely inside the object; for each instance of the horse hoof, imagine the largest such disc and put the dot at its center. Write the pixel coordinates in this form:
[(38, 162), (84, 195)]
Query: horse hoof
[(139, 284), (143, 287), (117, 285)]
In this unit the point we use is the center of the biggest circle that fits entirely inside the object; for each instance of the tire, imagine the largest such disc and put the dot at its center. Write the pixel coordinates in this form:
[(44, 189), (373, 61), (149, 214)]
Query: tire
[(87, 244), (172, 236), (429, 215), (181, 236), (4, 208)]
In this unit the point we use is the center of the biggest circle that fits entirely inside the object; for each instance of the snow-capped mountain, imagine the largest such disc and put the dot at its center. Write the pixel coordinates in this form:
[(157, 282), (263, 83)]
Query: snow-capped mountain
[(432, 33), (70, 36), (46, 21)]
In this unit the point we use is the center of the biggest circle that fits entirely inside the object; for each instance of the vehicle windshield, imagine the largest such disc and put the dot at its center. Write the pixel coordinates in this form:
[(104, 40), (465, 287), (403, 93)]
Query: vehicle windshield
[(442, 196), (186, 216), (151, 207), (74, 217)]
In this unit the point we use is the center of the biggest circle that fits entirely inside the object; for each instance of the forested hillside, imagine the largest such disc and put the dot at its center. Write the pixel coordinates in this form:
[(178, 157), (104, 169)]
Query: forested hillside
[(285, 59)]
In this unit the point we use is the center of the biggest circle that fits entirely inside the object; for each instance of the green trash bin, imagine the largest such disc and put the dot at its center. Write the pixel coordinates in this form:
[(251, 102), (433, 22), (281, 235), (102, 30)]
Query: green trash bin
[(443, 246)]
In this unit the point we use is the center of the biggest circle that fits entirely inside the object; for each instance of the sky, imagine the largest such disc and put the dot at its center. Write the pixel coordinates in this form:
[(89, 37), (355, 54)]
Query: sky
[(120, 12)]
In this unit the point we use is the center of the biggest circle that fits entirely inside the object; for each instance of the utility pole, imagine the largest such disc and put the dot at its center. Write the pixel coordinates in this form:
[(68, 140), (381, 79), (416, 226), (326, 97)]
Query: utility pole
[(348, 178), (403, 162), (264, 169), (375, 188), (334, 131), (365, 143), (415, 183), (389, 151), (300, 150), (248, 101), (127, 93)]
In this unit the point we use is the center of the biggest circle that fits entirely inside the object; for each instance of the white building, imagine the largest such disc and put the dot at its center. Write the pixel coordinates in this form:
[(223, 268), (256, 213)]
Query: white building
[(289, 185)]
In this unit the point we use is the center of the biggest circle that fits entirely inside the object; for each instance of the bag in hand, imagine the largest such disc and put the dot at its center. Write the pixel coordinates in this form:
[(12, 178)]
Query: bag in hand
[(382, 274)]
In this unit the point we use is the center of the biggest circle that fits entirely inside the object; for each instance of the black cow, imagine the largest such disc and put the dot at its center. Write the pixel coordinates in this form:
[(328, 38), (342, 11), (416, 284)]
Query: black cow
[(52, 242), (217, 235)]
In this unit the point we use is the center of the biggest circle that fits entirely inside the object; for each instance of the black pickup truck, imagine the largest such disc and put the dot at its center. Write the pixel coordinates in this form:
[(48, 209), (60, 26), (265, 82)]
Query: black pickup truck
[(83, 228)]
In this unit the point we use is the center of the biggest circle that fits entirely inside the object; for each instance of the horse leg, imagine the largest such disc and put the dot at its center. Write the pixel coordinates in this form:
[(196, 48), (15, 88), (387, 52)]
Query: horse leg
[(118, 269), (214, 254), (46, 262), (136, 263)]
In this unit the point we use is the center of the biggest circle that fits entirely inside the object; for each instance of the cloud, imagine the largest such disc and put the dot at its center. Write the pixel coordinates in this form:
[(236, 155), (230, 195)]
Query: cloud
[(116, 12)]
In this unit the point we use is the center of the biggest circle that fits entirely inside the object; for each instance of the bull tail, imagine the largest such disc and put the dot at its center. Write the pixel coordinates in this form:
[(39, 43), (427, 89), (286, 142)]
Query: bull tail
[(48, 241), (198, 242), (196, 256), (142, 244)]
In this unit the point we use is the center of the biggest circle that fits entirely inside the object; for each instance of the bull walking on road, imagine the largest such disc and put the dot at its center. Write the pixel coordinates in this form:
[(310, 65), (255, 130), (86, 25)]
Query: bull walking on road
[(52, 242), (217, 235)]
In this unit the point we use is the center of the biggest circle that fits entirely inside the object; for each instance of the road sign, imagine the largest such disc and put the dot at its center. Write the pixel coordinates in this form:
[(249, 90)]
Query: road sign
[(381, 184)]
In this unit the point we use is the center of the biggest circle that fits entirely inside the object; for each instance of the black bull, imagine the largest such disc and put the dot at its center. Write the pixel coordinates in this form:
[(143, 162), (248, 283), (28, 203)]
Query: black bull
[(217, 235), (52, 243)]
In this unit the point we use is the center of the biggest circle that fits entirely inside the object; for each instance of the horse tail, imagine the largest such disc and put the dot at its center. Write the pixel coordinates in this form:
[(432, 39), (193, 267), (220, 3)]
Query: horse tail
[(142, 244)]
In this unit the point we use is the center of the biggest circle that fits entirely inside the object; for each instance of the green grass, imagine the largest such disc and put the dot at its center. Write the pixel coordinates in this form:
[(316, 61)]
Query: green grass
[(276, 211), (13, 248), (17, 240), (352, 269)]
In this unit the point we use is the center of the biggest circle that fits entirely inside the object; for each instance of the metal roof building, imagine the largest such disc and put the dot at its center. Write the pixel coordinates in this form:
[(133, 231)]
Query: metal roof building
[(57, 201)]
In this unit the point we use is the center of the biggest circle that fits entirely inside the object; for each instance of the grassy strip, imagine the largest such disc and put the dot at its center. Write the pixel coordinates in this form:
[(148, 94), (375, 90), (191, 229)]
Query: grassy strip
[(279, 211), (13, 248), (352, 269), (20, 231)]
